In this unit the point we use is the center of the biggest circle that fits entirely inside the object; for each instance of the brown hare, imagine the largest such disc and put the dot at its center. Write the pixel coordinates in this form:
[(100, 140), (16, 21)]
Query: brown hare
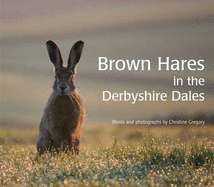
[(61, 125)]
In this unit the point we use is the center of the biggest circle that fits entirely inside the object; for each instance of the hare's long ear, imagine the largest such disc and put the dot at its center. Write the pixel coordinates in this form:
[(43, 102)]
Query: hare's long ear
[(54, 54), (75, 55)]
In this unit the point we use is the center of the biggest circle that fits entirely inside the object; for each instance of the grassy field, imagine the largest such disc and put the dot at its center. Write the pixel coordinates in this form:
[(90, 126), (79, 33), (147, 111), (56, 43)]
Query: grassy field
[(113, 156)]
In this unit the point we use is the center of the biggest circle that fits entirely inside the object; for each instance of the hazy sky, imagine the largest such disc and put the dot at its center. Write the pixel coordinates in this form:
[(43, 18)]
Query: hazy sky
[(114, 29)]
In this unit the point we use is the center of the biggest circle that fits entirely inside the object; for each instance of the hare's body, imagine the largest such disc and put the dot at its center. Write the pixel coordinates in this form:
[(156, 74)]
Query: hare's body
[(61, 124)]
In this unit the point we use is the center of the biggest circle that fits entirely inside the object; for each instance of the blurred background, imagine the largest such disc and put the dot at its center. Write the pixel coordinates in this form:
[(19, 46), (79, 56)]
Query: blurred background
[(114, 29)]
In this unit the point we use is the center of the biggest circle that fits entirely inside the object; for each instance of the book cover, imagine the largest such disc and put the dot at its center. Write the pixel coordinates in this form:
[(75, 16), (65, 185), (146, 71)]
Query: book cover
[(146, 78)]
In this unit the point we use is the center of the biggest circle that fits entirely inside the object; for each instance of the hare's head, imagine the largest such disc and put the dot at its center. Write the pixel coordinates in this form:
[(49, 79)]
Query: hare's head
[(64, 79)]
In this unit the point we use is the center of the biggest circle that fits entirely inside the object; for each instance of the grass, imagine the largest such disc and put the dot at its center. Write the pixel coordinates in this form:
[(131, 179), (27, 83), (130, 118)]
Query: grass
[(113, 156)]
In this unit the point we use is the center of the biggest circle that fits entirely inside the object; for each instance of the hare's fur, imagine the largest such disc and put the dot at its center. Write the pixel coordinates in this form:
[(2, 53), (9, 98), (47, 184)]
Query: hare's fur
[(61, 125)]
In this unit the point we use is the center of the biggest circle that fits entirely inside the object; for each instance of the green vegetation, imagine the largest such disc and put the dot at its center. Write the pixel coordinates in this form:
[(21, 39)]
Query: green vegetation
[(113, 156)]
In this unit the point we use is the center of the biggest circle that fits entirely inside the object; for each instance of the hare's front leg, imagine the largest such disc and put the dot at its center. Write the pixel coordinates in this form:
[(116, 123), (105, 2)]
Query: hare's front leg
[(76, 144), (66, 145)]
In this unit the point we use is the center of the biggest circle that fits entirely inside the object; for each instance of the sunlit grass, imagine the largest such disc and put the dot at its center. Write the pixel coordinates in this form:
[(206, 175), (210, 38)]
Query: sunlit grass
[(113, 156)]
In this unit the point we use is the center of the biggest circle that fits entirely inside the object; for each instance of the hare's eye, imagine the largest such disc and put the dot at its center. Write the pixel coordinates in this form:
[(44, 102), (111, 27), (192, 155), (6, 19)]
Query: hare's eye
[(72, 76), (60, 76)]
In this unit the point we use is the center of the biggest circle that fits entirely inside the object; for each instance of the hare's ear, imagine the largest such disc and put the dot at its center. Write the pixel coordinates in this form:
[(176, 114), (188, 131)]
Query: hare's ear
[(75, 55), (54, 54)]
